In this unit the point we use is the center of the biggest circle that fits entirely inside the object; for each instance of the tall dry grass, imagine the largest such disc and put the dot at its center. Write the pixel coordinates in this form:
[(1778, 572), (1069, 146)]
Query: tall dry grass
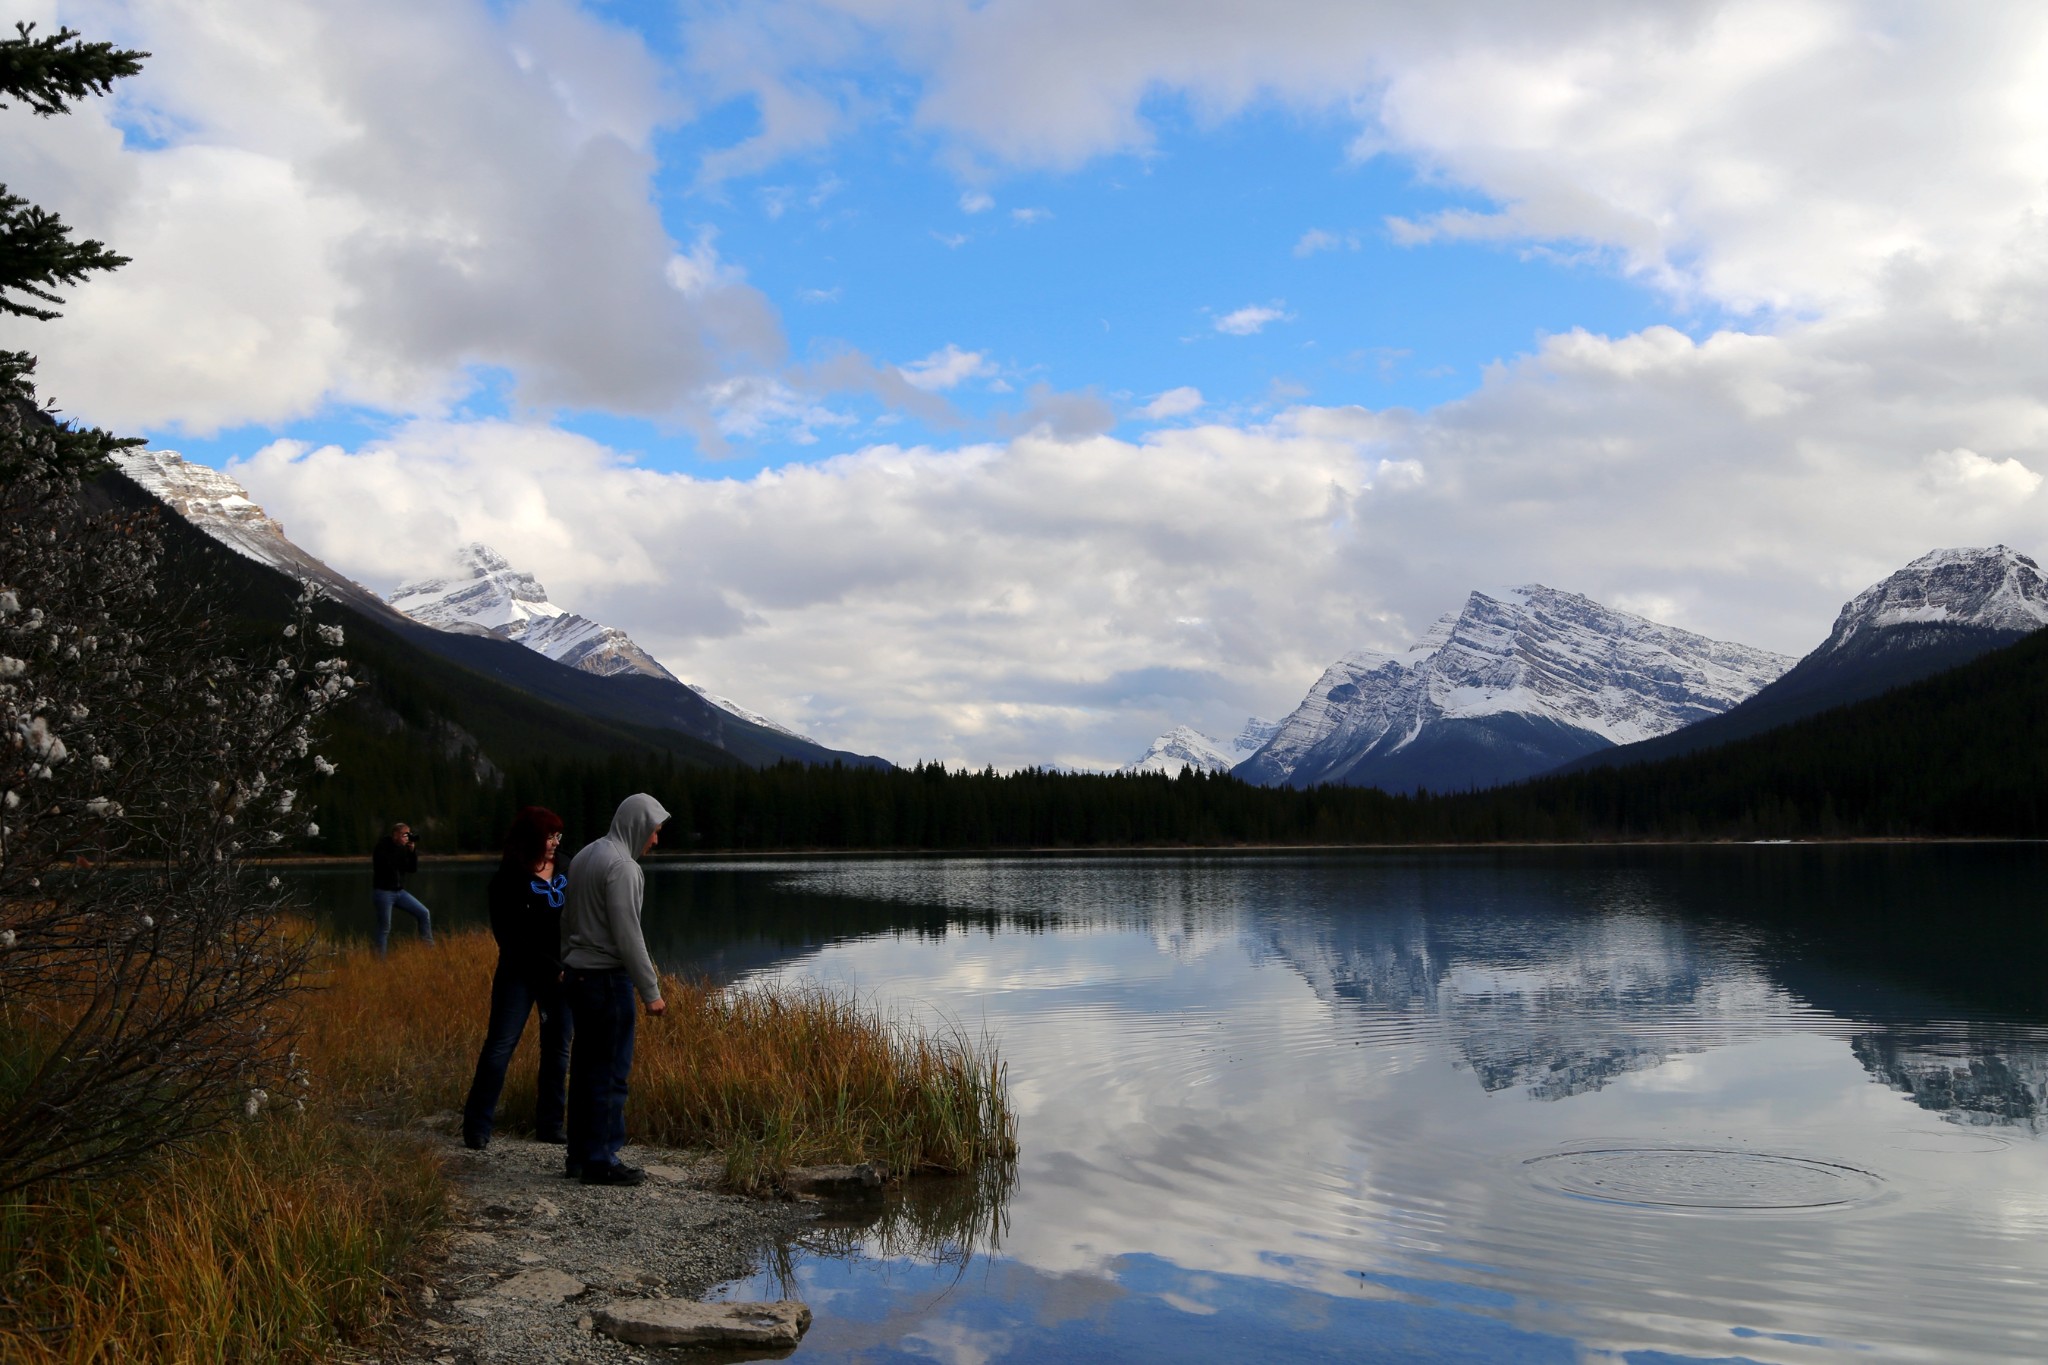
[(771, 1079), (271, 1243), (278, 1240)]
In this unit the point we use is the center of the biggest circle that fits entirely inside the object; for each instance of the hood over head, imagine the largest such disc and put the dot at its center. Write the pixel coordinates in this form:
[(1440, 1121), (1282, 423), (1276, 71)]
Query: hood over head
[(638, 816)]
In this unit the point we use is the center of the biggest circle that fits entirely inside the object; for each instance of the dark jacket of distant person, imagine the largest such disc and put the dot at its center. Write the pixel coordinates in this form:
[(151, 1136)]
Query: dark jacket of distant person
[(390, 861)]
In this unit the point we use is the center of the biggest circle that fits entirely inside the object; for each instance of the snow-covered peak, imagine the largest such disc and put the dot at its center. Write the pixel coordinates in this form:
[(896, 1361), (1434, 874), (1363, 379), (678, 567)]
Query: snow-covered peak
[(1989, 589), (482, 590), (1530, 653), (1185, 747)]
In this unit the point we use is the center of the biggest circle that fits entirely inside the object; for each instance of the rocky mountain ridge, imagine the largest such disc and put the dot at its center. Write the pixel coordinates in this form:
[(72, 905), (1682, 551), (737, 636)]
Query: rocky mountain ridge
[(1514, 683), (1185, 747)]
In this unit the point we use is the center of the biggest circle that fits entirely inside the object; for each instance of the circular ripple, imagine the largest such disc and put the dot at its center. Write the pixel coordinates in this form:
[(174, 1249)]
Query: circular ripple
[(1702, 1178)]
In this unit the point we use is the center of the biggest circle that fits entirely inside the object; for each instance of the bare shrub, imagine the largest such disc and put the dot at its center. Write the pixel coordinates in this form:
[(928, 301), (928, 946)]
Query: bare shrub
[(143, 758)]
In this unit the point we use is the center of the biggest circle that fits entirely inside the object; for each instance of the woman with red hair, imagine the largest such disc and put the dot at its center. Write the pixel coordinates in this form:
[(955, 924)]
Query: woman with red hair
[(526, 918)]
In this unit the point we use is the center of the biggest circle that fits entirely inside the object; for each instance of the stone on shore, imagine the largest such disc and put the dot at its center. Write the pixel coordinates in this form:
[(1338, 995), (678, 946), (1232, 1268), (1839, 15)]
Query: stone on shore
[(868, 1175), (677, 1322)]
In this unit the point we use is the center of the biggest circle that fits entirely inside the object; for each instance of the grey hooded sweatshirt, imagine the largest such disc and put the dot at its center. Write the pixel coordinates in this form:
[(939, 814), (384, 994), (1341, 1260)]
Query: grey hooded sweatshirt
[(601, 913)]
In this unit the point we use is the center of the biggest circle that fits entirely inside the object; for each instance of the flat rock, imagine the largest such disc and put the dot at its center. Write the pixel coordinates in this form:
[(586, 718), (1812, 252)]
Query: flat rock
[(677, 1322), (867, 1175), (674, 1175), (542, 1286)]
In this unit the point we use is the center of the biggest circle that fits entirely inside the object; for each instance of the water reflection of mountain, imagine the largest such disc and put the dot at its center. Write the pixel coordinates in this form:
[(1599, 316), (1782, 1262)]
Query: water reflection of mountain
[(1990, 1082), (1554, 973)]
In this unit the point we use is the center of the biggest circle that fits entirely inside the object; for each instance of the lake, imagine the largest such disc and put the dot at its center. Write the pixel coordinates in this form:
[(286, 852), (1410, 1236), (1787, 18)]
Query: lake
[(1759, 1103)]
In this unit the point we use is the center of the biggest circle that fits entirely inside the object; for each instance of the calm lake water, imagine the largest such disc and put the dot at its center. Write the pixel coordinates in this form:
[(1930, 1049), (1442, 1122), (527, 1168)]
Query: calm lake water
[(1765, 1103)]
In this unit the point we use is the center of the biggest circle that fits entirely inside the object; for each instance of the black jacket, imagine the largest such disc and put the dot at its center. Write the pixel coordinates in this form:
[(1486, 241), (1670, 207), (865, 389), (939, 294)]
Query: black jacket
[(390, 861), (528, 926)]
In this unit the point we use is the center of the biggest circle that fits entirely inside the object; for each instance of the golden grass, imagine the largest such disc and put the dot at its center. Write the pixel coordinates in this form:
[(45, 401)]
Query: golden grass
[(277, 1241), (771, 1079), (270, 1243)]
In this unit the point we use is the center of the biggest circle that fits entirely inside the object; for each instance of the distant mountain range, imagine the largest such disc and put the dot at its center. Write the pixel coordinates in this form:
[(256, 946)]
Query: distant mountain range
[(1531, 680), (1514, 683), (1185, 747), (493, 623)]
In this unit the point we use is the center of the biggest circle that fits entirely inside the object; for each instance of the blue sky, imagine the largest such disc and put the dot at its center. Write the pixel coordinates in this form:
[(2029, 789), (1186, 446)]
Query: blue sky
[(1009, 382)]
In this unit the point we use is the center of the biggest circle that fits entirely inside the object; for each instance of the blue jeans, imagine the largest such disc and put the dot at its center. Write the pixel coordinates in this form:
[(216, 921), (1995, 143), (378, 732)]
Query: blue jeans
[(602, 1003), (384, 900), (513, 997)]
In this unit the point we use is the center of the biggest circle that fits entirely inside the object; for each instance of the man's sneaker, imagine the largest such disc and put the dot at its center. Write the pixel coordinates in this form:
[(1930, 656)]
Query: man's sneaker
[(475, 1143), (572, 1170), (617, 1173)]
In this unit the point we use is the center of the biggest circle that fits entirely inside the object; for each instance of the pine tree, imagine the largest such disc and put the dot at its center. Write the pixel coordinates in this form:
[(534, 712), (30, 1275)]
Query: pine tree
[(38, 255)]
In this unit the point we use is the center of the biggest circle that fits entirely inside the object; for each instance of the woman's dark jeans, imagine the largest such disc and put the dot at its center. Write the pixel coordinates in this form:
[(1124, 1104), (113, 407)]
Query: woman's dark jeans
[(513, 997), (603, 1003)]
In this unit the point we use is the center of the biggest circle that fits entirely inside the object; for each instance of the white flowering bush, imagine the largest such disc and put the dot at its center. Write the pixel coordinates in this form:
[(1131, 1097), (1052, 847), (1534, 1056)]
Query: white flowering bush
[(144, 753)]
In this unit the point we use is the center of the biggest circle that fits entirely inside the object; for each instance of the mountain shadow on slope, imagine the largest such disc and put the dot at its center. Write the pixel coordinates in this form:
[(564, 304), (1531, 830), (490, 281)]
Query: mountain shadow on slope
[(1462, 753)]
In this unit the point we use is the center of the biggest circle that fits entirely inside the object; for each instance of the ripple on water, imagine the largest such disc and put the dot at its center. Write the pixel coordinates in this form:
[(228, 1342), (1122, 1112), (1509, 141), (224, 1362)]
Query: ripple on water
[(1702, 1178)]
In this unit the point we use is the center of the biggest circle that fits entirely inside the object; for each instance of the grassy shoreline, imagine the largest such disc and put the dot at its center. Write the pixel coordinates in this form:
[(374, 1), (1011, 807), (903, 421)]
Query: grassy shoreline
[(283, 1238)]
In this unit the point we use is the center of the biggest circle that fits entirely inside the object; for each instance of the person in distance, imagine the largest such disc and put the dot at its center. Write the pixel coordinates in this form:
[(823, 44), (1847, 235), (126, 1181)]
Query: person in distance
[(525, 896), (604, 964), (396, 855)]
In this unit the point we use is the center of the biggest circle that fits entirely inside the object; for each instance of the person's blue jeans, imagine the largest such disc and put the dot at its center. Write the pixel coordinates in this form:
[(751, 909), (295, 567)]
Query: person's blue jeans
[(404, 900), (513, 997), (600, 1059)]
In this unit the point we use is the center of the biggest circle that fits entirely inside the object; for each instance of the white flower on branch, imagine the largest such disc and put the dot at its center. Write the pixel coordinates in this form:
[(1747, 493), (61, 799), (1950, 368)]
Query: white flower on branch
[(11, 667), (312, 830), (290, 631), (148, 923), (78, 711), (6, 938), (331, 635), (272, 884), (100, 763), (104, 809), (253, 1106), (9, 603), (11, 801), (322, 766)]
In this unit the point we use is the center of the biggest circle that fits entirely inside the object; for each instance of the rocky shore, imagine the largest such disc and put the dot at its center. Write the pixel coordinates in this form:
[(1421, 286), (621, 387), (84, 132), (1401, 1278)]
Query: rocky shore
[(536, 1264)]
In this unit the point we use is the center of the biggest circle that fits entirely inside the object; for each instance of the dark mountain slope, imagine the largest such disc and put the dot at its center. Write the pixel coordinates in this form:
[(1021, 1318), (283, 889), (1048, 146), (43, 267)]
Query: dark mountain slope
[(1961, 753)]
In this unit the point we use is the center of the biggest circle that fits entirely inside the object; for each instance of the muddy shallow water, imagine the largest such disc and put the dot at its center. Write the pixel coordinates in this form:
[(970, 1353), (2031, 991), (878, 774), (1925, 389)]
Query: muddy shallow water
[(1756, 1103)]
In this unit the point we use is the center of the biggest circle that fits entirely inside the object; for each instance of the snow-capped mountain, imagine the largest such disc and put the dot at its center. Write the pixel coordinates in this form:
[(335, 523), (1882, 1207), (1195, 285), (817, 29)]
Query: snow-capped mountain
[(485, 594), (1939, 612), (1184, 747), (1998, 589), (223, 509), (1513, 684)]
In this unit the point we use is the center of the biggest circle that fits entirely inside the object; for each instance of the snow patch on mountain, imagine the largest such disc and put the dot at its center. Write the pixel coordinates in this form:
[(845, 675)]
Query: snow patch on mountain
[(1987, 589), (219, 506), (1185, 747), (1544, 666)]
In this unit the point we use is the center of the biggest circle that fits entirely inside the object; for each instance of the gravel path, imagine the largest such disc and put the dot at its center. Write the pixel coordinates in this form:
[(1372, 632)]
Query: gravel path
[(532, 1254)]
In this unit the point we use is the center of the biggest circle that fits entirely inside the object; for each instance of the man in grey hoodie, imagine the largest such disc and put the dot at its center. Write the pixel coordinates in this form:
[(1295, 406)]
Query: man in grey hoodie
[(605, 962)]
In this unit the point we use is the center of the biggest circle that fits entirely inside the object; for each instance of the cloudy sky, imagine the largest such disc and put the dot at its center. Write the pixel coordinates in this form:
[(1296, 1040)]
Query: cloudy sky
[(1004, 382)]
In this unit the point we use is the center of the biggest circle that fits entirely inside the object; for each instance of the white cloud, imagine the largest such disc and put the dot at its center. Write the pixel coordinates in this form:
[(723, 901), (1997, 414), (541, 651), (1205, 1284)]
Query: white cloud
[(1992, 483), (1251, 319), (947, 368), (1317, 239), (1029, 216), (1173, 403), (357, 205), (1776, 154), (977, 201)]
